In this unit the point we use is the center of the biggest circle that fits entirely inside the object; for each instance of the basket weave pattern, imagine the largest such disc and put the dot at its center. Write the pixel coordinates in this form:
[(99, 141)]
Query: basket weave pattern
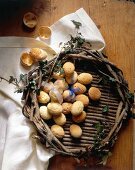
[(98, 65)]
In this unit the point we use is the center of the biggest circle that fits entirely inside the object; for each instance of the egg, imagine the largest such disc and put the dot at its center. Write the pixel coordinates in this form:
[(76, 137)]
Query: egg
[(38, 54), (85, 78), (54, 109), (83, 98), (30, 20), (57, 131), (94, 93), (43, 111), (80, 118), (68, 68), (78, 88), (43, 97), (55, 95), (60, 120), (66, 107), (77, 108), (61, 84), (59, 74), (68, 96), (75, 131), (47, 86), (72, 79), (44, 32), (26, 60)]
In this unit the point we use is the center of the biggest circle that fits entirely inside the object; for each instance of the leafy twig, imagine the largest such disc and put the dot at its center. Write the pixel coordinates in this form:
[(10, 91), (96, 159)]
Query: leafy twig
[(77, 24), (11, 80)]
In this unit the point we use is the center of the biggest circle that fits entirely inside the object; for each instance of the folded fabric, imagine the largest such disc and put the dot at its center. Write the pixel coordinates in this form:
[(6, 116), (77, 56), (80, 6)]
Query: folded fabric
[(63, 28), (18, 150)]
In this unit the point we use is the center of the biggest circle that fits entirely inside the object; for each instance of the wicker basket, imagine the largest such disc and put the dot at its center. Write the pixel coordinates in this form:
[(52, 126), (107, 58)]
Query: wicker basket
[(109, 79)]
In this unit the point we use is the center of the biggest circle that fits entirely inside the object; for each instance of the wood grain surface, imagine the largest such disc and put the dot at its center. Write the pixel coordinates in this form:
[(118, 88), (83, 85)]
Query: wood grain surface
[(115, 19)]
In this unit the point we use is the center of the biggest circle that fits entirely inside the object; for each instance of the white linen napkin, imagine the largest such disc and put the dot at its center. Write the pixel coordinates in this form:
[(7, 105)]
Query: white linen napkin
[(18, 150)]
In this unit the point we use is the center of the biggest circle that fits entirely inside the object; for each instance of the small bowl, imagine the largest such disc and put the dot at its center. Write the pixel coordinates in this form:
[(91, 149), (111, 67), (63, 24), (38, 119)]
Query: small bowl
[(30, 20), (45, 32)]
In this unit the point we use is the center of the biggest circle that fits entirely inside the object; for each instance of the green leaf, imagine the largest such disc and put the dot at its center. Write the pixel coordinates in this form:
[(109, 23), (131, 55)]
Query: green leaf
[(112, 79), (130, 96), (105, 109), (77, 24), (99, 127)]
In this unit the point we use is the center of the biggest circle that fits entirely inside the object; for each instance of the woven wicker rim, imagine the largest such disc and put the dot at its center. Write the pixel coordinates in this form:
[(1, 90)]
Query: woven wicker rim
[(31, 108)]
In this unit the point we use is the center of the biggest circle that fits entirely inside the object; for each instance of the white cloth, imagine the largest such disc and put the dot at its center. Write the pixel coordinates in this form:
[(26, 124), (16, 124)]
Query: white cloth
[(18, 150)]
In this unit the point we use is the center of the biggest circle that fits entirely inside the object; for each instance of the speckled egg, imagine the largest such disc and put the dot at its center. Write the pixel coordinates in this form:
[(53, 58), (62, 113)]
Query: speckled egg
[(68, 96), (94, 93), (58, 131), (61, 84), (80, 118), (43, 97), (77, 108), (72, 79), (78, 88), (66, 107), (60, 120), (47, 86), (85, 78), (83, 98), (54, 109), (43, 111), (68, 68), (55, 95)]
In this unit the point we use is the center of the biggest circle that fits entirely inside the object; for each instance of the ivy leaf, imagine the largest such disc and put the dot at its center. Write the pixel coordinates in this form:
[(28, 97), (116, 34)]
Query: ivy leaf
[(42, 64), (130, 96), (99, 127), (77, 24), (105, 109), (13, 80), (111, 79), (23, 78)]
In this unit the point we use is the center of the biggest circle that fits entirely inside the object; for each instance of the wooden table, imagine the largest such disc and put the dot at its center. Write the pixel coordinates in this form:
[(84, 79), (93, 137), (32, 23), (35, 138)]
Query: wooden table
[(115, 19)]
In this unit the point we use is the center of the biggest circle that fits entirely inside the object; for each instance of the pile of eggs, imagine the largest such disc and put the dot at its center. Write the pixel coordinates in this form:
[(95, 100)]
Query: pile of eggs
[(67, 94)]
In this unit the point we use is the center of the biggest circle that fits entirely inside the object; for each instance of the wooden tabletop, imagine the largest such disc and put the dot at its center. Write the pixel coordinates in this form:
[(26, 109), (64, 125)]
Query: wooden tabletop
[(115, 19)]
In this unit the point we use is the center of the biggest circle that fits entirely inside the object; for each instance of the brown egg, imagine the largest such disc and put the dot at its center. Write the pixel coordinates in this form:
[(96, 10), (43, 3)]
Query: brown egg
[(77, 108), (47, 86), (43, 97), (44, 113), (45, 32), (80, 118), (26, 60), (83, 98), (55, 95), (66, 107), (68, 68), (75, 131), (59, 74), (68, 96), (30, 20), (72, 79), (61, 84), (60, 120), (54, 109), (58, 131), (78, 88), (94, 93), (38, 54), (85, 78)]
